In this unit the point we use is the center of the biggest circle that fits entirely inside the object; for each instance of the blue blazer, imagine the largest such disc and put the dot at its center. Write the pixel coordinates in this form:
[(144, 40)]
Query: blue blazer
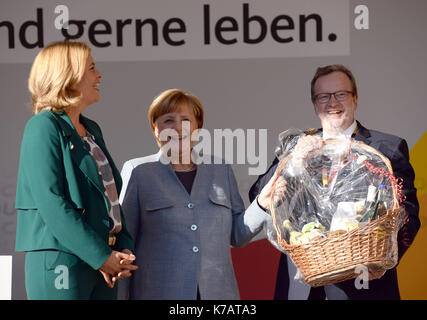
[(182, 240), (396, 150)]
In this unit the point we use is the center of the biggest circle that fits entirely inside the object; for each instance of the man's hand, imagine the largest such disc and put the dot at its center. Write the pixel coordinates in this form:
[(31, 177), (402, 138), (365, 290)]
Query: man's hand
[(305, 145)]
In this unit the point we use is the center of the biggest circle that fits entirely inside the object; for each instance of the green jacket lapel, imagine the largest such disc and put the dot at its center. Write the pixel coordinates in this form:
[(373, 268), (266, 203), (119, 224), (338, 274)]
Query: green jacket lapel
[(100, 142), (78, 151)]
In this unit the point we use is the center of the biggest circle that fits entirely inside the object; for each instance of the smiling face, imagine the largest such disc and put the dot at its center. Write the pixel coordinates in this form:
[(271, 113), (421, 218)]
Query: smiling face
[(335, 116), (89, 84), (176, 128)]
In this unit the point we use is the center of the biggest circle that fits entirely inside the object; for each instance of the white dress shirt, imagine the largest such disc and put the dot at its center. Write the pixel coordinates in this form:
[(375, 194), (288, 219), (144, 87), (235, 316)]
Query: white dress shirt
[(346, 134)]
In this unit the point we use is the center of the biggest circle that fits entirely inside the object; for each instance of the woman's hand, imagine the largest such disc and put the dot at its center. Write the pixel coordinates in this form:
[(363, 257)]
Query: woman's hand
[(129, 260), (118, 265), (275, 184)]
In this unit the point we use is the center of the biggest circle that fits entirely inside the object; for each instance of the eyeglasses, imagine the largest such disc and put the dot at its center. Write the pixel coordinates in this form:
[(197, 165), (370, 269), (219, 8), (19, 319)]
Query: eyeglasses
[(341, 95)]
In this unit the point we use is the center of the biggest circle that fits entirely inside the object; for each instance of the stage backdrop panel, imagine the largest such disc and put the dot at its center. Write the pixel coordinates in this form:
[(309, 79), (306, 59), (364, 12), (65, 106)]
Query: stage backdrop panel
[(249, 62)]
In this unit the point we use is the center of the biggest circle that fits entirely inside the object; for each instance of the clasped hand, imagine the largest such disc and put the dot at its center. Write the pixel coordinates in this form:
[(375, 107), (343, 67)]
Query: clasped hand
[(118, 266)]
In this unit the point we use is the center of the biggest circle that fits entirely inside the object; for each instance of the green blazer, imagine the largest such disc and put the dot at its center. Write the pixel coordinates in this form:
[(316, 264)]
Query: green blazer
[(60, 197)]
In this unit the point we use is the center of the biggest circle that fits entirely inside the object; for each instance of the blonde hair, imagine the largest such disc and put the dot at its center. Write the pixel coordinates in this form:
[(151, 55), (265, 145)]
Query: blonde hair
[(56, 70), (170, 101)]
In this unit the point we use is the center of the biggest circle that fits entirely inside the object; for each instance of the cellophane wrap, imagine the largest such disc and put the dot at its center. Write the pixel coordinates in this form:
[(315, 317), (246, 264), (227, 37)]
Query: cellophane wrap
[(329, 188)]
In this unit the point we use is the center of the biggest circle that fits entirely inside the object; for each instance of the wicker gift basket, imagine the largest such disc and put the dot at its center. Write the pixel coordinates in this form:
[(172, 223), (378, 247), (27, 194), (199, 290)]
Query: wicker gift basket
[(326, 242)]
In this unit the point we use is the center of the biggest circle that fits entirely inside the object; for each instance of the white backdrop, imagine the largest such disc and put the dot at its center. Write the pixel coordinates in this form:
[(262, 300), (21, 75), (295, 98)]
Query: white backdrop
[(264, 85)]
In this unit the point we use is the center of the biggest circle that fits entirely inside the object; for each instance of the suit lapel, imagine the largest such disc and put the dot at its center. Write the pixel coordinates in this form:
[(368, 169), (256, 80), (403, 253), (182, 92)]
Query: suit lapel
[(201, 176), (170, 175), (79, 154), (362, 134), (100, 142)]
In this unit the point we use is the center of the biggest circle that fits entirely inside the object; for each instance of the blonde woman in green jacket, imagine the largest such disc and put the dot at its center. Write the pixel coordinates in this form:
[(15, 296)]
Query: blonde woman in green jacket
[(69, 219)]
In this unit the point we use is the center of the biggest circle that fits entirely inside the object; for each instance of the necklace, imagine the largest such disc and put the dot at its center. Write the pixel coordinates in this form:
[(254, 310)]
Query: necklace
[(193, 167)]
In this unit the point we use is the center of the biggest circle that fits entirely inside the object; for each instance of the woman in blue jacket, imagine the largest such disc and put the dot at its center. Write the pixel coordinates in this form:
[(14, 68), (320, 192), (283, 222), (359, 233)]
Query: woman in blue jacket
[(184, 211)]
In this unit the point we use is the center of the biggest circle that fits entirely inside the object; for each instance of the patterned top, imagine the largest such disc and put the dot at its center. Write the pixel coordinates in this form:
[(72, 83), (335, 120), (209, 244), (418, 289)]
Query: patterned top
[(106, 175)]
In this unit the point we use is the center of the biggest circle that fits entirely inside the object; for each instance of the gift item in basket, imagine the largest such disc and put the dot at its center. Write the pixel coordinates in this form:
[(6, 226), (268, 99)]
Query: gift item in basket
[(340, 208)]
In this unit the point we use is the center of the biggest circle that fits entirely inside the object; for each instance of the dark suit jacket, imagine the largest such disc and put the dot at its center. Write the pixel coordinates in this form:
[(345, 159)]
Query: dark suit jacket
[(396, 150)]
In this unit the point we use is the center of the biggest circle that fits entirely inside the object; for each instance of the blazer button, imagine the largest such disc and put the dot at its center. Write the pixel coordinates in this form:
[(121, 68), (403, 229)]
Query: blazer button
[(195, 249), (84, 210), (193, 227), (190, 205), (72, 147)]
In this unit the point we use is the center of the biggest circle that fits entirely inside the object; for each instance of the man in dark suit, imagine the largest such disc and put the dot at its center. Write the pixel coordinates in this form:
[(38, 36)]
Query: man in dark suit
[(334, 97)]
